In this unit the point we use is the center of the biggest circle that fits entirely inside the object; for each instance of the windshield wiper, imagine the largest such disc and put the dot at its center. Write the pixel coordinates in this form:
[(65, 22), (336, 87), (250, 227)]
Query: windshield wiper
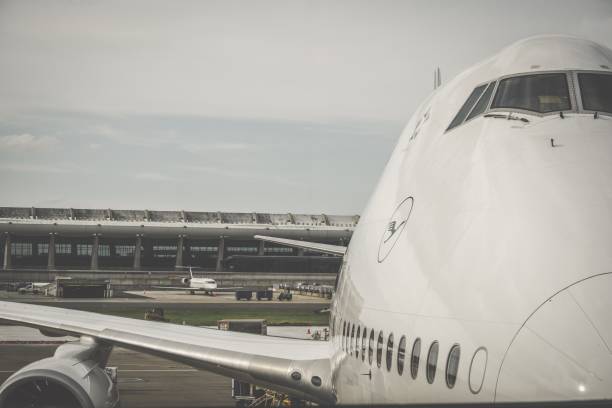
[(507, 117)]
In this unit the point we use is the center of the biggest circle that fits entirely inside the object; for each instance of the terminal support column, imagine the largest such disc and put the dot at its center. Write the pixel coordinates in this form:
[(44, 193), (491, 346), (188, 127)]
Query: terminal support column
[(220, 251), (8, 264), (137, 251), (179, 251), (261, 250), (94, 251), (51, 251)]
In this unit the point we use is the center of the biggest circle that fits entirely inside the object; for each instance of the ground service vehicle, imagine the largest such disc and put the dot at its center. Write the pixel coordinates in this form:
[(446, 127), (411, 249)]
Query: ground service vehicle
[(244, 294), (264, 294)]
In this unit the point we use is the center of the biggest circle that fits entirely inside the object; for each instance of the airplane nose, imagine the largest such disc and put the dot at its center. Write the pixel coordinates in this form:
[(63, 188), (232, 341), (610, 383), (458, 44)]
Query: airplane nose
[(564, 349)]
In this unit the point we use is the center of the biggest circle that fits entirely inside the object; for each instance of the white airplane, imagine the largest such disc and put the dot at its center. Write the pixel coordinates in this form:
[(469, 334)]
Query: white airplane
[(195, 284), (492, 220)]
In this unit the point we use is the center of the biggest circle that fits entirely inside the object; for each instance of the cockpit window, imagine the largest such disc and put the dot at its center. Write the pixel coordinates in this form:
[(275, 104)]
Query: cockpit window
[(540, 93), (596, 92), (482, 103), (467, 106)]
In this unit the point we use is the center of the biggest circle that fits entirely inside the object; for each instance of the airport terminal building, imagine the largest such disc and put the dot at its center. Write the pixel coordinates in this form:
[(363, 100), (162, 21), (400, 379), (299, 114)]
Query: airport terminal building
[(62, 240)]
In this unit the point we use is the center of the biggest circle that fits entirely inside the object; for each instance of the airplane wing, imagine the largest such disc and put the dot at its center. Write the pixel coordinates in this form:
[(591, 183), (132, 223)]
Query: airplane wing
[(175, 287), (301, 368), (337, 250), (229, 289)]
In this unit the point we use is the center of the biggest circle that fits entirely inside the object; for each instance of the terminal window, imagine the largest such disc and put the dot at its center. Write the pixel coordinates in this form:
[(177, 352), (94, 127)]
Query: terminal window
[(21, 249), (124, 250), (63, 249), (242, 249), (83, 249), (204, 249), (277, 250), (104, 250), (43, 249), (164, 251)]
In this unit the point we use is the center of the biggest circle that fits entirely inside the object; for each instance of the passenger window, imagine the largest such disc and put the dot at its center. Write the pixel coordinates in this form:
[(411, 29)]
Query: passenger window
[(414, 359), (389, 352), (482, 103), (596, 92), (540, 93), (363, 343), (352, 339), (467, 106), (357, 337), (401, 355), (452, 365), (347, 340), (371, 346), (432, 362), (379, 349)]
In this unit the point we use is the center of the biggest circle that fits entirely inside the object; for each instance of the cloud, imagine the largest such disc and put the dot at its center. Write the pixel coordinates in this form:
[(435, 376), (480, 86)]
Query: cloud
[(27, 142), (34, 168), (202, 147), (126, 137), (243, 175), (153, 176)]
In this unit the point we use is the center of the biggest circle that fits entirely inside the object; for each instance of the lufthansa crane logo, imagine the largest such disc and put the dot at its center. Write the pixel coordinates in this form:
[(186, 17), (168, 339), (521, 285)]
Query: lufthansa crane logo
[(394, 228)]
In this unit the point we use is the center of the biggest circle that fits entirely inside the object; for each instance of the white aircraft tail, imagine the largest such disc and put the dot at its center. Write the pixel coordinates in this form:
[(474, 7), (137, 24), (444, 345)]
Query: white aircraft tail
[(437, 78)]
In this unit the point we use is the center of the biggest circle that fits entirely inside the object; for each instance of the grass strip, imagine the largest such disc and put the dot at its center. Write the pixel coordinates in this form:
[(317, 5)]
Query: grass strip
[(210, 317)]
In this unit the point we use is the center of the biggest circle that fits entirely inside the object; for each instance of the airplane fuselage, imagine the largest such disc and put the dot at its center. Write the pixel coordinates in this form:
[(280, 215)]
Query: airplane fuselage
[(488, 242), (205, 284)]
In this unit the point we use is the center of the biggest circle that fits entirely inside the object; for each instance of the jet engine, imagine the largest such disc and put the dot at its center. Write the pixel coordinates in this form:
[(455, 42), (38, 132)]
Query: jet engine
[(75, 377), (186, 281)]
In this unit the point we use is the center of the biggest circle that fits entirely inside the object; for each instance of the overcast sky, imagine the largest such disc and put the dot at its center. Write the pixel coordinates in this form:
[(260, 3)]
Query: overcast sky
[(280, 106)]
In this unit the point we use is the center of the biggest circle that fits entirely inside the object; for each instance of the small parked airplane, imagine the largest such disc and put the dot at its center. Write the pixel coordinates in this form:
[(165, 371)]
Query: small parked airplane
[(195, 284)]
